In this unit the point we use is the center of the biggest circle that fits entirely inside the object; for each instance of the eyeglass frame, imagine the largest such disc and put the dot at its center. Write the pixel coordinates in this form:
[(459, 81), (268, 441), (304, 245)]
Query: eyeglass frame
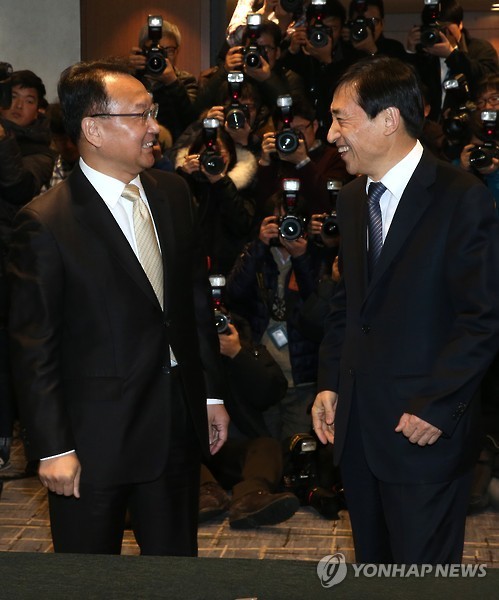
[(492, 100), (149, 113)]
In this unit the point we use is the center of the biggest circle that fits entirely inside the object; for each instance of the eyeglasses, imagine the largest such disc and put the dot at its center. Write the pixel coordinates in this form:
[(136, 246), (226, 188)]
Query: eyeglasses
[(303, 128), (149, 113), (492, 100), (170, 49), (267, 48)]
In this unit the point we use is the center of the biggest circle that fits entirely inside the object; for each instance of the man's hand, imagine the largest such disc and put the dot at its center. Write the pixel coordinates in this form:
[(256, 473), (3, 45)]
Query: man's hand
[(269, 229), (137, 59), (230, 344), (61, 474), (296, 247), (323, 414), (418, 431), (234, 59), (218, 426)]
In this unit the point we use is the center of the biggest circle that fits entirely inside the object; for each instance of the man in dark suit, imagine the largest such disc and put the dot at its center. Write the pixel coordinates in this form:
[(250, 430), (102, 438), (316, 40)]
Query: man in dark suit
[(114, 361), (413, 326)]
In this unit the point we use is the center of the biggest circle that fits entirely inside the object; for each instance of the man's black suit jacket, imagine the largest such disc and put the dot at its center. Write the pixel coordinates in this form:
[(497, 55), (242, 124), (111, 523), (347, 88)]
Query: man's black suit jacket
[(419, 336), (90, 342)]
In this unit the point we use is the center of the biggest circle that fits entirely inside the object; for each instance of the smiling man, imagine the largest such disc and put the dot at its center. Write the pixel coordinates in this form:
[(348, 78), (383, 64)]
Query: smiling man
[(413, 327), (114, 346)]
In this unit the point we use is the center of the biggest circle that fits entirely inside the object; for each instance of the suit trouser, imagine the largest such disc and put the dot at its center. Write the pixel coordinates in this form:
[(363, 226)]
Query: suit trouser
[(246, 466), (164, 512), (401, 523)]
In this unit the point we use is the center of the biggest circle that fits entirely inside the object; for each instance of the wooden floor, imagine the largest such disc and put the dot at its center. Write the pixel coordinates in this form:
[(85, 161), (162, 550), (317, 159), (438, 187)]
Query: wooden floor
[(24, 527)]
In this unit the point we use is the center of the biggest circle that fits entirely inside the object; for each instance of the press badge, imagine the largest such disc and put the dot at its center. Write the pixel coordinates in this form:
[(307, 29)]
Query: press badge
[(278, 334)]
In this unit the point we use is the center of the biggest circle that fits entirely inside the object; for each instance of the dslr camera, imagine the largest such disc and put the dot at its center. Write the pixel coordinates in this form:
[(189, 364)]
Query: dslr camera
[(210, 157), (288, 139), (252, 53), (481, 155), (330, 223), (318, 34), (359, 27), (155, 54), (291, 225), (236, 114), (222, 316), (5, 85), (456, 124), (430, 28), (302, 477)]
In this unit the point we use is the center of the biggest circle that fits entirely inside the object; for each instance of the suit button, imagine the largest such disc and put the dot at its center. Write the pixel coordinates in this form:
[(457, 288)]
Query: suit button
[(167, 322), (351, 372), (165, 369), (366, 328)]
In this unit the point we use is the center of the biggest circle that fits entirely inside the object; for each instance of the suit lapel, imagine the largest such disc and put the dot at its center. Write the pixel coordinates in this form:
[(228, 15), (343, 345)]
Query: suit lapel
[(412, 206), (92, 211)]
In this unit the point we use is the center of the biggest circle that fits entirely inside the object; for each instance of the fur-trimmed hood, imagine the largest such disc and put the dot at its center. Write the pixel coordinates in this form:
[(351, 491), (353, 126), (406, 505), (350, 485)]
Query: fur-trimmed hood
[(243, 172)]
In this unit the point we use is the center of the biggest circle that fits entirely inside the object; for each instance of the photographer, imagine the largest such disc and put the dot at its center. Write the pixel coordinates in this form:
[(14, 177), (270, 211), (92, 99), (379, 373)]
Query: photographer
[(252, 463), (269, 282), (365, 30), (174, 90), (313, 162), (265, 72), (26, 163), (320, 66), (446, 50), (220, 174)]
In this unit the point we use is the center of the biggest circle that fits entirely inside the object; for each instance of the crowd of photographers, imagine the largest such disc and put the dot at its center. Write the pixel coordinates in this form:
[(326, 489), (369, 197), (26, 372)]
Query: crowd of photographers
[(249, 137)]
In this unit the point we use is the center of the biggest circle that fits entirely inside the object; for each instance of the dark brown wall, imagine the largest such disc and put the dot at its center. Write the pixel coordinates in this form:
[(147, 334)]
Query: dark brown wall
[(111, 28)]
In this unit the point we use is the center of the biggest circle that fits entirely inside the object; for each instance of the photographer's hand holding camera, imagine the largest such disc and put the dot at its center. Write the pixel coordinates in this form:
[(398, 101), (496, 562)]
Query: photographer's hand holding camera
[(154, 61)]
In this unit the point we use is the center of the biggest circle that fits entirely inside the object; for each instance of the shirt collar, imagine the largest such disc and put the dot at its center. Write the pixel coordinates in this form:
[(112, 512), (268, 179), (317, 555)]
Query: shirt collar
[(397, 178), (108, 188)]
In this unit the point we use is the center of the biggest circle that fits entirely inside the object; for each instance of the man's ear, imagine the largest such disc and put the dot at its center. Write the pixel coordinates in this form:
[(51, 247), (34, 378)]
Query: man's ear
[(392, 119), (91, 131)]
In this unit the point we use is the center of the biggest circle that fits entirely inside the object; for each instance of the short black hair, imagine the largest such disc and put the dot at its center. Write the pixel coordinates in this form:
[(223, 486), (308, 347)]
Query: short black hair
[(381, 82), (82, 91), (270, 28), (352, 9), (28, 79), (488, 83), (451, 11), (332, 8)]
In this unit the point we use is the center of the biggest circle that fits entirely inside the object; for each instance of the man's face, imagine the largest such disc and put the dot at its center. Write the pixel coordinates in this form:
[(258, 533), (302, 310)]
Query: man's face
[(360, 140), (452, 31), (334, 24), (266, 42), (23, 110), (372, 13), (306, 128), (126, 143)]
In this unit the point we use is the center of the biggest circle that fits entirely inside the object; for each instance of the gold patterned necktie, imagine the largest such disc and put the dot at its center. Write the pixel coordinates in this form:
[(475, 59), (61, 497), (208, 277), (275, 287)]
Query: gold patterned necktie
[(147, 244)]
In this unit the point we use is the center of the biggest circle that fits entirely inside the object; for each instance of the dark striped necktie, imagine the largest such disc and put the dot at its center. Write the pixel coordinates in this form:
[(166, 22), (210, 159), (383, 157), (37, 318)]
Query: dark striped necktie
[(374, 224)]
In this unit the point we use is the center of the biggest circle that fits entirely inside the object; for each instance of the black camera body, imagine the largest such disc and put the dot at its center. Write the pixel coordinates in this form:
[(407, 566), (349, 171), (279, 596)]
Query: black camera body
[(236, 114), (430, 28), (252, 53), (5, 85), (359, 27), (288, 139), (456, 124), (318, 33), (302, 477), (222, 316), (330, 227), (291, 225), (482, 154), (155, 54), (210, 157)]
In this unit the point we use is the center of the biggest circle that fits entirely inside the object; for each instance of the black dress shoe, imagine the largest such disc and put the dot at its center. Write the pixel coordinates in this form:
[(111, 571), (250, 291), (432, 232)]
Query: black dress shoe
[(213, 501), (262, 508)]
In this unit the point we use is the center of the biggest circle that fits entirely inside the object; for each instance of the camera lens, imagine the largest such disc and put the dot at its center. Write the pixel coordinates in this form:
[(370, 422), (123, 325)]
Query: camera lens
[(221, 321), (212, 162), (330, 226), (235, 118), (291, 227), (429, 36), (252, 58), (287, 141), (318, 37), (155, 62)]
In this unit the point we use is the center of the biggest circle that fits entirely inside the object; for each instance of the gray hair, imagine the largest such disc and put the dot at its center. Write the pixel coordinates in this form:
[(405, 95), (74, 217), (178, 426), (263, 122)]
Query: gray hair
[(168, 29)]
